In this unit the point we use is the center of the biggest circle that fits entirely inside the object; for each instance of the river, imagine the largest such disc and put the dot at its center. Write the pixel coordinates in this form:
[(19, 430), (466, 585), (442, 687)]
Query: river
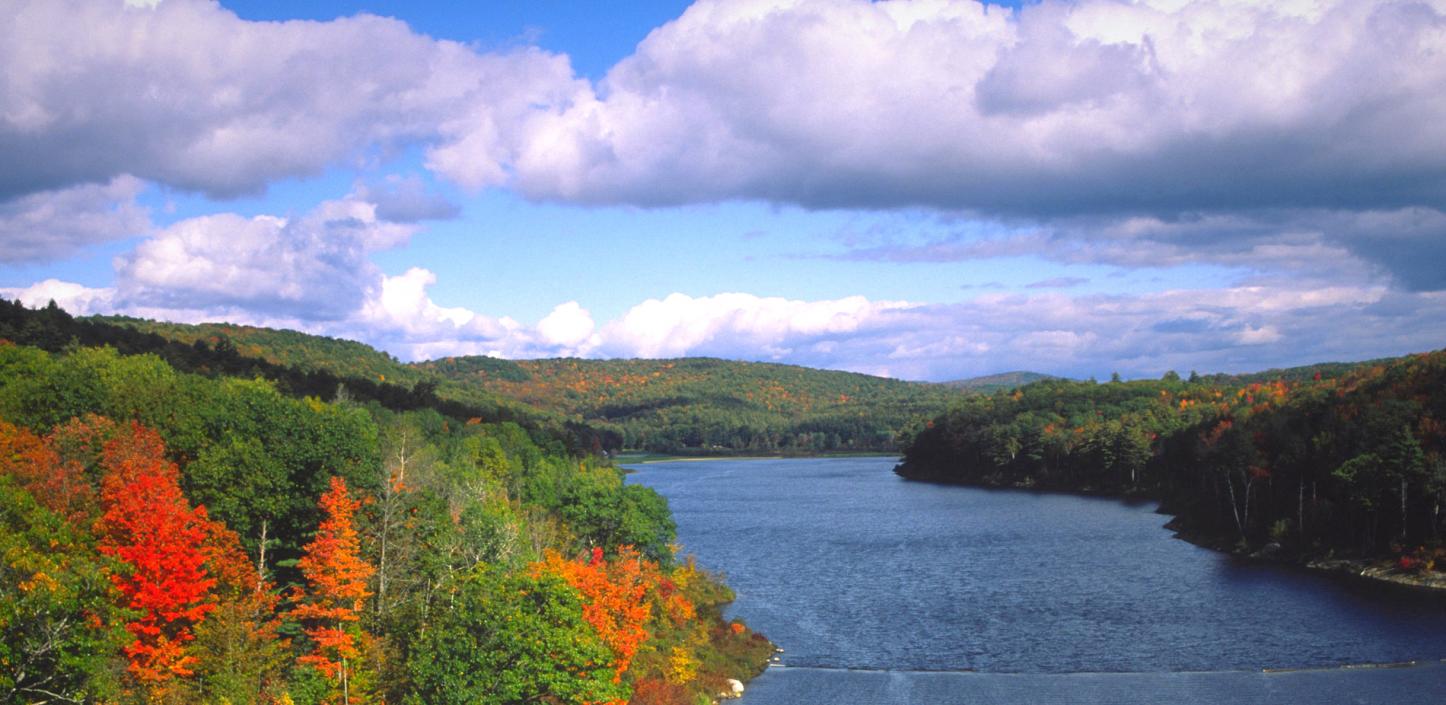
[(887, 591)]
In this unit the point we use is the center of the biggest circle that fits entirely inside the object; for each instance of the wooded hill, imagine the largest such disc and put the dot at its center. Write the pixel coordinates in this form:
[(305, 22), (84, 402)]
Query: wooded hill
[(988, 384), (707, 405), (689, 405), (1330, 458), (192, 536)]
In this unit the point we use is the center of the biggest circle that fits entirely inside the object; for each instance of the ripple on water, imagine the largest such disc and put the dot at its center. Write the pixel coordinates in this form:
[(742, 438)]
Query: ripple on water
[(848, 566)]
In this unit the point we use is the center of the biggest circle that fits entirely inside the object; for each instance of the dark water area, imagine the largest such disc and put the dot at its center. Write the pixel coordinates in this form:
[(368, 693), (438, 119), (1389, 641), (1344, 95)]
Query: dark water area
[(869, 581)]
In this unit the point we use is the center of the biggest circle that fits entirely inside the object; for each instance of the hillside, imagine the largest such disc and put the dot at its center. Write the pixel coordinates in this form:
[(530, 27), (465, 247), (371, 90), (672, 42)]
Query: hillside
[(706, 404), (998, 382), (690, 405), (1325, 460), (347, 358), (212, 531)]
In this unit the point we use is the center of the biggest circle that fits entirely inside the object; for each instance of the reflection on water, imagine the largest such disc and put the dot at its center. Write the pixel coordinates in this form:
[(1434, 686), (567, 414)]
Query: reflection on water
[(849, 567)]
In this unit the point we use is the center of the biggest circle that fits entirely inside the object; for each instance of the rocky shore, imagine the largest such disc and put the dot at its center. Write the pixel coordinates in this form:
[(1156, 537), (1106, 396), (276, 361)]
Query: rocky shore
[(1381, 571)]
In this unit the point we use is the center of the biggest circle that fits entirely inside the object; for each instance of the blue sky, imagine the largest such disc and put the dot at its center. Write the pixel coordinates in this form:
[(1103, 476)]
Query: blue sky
[(925, 190)]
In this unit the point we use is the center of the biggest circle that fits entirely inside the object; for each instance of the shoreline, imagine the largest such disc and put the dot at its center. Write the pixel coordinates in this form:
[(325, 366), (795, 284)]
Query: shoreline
[(1378, 572), (645, 458)]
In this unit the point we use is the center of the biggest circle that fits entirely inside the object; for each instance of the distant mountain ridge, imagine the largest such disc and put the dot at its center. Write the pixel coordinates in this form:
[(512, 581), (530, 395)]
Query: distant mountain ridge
[(685, 405), (682, 405), (703, 404), (1000, 381)]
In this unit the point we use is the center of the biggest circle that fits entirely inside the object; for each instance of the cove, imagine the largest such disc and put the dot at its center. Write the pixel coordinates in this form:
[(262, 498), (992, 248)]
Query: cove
[(876, 585)]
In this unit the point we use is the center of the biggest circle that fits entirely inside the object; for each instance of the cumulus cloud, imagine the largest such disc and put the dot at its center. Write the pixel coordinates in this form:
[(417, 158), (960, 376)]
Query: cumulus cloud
[(55, 224), (75, 298), (1078, 107), (186, 94), (1095, 109), (1231, 329), (569, 326), (314, 267), (1061, 107), (727, 324)]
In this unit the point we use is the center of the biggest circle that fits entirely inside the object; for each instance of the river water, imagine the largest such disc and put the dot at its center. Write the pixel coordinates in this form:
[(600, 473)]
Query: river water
[(887, 591)]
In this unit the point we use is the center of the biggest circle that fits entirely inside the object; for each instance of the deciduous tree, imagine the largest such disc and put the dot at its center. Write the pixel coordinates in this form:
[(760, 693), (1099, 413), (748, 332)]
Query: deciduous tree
[(150, 527), (336, 591)]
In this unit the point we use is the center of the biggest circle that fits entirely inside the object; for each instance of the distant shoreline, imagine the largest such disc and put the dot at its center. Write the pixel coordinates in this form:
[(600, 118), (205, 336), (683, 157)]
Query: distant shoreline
[(644, 458), (1374, 571)]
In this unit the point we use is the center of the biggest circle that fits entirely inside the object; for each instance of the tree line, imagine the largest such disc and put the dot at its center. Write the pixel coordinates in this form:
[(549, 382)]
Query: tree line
[(705, 405), (1347, 460)]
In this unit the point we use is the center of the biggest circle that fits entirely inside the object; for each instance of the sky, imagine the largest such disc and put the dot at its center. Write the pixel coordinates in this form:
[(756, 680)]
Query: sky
[(926, 190)]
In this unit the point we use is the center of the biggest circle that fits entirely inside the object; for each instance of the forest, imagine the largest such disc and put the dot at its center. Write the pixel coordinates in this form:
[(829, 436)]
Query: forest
[(683, 406), (196, 536), (1338, 460), (706, 405)]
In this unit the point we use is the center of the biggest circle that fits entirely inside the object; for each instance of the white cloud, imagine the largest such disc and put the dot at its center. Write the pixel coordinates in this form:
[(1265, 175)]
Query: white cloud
[(76, 299), (1062, 107), (568, 326), (1229, 329), (1258, 336), (1068, 107), (53, 224), (727, 324), (1082, 106), (314, 267), (186, 94)]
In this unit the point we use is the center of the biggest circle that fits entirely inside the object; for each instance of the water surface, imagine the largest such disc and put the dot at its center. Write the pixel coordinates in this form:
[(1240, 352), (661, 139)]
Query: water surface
[(847, 566)]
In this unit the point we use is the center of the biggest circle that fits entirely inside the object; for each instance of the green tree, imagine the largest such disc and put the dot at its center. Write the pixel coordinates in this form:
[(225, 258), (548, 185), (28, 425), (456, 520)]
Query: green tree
[(511, 639), (59, 630)]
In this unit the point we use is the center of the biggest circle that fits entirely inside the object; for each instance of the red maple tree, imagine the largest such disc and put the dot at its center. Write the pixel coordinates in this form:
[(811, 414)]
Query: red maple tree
[(336, 588), (149, 526)]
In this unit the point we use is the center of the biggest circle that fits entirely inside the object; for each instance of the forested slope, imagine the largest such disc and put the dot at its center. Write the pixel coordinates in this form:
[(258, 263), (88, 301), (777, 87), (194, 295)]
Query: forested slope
[(299, 365), (697, 405), (196, 537), (1349, 460), (706, 404)]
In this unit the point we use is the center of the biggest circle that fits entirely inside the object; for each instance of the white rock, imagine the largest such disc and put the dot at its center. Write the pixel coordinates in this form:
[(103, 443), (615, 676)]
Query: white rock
[(735, 688)]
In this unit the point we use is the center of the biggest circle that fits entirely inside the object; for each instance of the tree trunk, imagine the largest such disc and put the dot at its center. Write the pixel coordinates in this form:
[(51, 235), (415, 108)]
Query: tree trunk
[(1234, 507), (261, 559)]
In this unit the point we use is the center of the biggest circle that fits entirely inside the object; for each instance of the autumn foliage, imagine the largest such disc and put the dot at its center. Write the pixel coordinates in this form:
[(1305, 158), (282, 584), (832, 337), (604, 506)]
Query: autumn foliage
[(46, 468), (118, 587), (336, 586), (614, 598), (150, 527)]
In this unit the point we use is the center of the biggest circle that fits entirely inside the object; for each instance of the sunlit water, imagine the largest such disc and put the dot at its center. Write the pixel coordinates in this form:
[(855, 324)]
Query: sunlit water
[(846, 566)]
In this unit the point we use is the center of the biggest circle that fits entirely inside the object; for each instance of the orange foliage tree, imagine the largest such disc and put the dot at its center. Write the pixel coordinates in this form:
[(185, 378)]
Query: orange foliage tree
[(336, 589), (614, 597), (149, 526), (57, 482)]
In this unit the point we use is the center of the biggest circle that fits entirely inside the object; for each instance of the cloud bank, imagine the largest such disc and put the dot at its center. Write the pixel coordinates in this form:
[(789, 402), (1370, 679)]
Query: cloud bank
[(1303, 142)]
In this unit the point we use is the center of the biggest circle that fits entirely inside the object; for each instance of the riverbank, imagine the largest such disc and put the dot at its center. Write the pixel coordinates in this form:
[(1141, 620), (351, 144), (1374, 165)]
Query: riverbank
[(1373, 570), (1383, 570), (644, 457)]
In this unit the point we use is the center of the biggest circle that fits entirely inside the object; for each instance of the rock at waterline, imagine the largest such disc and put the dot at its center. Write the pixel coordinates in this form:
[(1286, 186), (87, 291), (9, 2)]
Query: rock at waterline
[(735, 689)]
